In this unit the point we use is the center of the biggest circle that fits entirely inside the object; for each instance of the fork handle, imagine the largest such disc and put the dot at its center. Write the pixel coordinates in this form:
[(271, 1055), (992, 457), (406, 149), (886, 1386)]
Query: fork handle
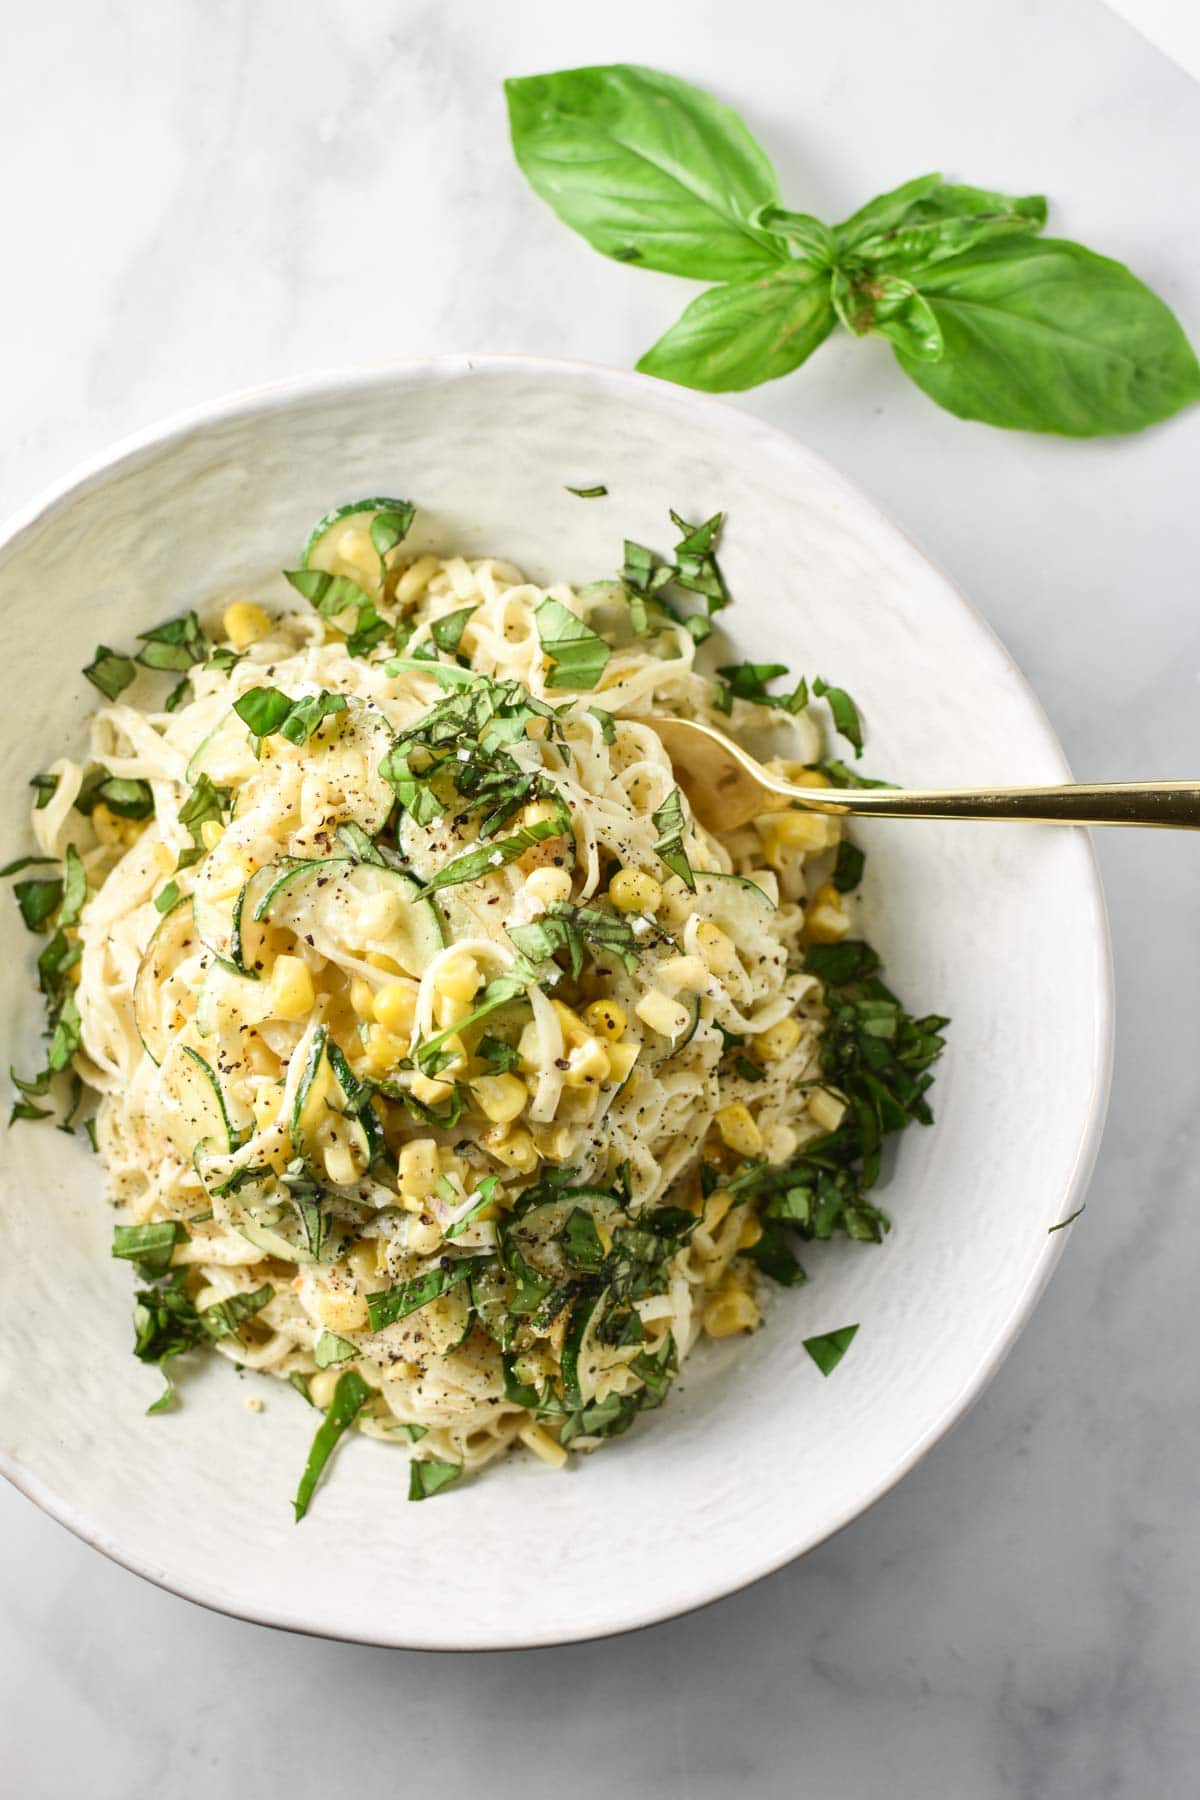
[(1163, 803)]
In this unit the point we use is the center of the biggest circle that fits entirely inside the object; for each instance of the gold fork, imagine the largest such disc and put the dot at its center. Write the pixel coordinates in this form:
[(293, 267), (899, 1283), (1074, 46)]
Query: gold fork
[(727, 787)]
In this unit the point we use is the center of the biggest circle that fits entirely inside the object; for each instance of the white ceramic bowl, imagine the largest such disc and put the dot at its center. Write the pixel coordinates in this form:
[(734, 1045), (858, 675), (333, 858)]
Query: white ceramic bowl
[(756, 1458)]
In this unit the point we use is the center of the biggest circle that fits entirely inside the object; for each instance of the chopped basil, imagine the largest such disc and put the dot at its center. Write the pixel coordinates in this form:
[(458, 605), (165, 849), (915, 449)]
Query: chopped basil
[(1069, 1220), (749, 1071), (164, 901), (670, 825), (127, 799), (589, 493), (845, 713), (224, 1318), (427, 1477), (828, 1350), (840, 776), (748, 681), (175, 646), (406, 1297), (848, 869), (47, 787), (38, 900), (485, 1195), (579, 654), (389, 527), (576, 930), (205, 803), (267, 711), (497, 852), (74, 889), (335, 595), (110, 672), (149, 1246), (500, 1056), (331, 1349), (608, 724), (415, 1433), (349, 1397), (299, 1381), (24, 862), (447, 631)]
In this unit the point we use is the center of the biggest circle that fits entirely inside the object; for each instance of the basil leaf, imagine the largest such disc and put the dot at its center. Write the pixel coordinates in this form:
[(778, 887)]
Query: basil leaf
[(299, 1381), (447, 631), (669, 822), (110, 672), (608, 724), (646, 168), (388, 528), (580, 656), (47, 787), (349, 1397), (498, 1055), (890, 306), (74, 889), (815, 241), (841, 776), (733, 337), (1069, 1220), (128, 799), (164, 901), (225, 1317), (24, 862), (1043, 335), (828, 1350), (848, 869), (845, 713), (496, 853), (577, 929), (175, 646), (774, 1256), (590, 493), (265, 710), (427, 1477), (748, 681), (331, 1349), (38, 900), (205, 802), (393, 1303), (149, 1246), (886, 212)]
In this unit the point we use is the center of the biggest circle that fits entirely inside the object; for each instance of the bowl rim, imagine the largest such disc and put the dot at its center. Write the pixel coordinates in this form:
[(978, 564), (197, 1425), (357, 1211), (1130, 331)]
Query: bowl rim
[(277, 395)]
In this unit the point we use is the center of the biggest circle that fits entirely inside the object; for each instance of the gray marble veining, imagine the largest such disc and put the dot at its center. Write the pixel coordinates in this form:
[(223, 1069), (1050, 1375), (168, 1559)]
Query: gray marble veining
[(203, 196)]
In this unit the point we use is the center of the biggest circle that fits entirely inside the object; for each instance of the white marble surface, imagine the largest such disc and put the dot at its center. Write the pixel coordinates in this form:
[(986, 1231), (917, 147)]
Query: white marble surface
[(199, 196)]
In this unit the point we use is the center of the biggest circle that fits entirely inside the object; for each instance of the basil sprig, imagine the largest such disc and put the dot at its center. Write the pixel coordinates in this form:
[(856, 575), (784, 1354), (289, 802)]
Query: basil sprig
[(991, 320)]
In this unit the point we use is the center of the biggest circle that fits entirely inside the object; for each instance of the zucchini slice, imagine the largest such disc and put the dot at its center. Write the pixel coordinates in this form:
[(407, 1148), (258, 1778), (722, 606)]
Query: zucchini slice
[(322, 551), (195, 1106), (345, 909)]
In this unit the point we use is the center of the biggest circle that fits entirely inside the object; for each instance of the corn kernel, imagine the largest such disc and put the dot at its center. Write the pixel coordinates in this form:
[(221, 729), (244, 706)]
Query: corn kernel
[(430, 1090), (662, 1014), (825, 1109), (457, 977), (826, 921), (415, 579), (730, 1312), (343, 1312), (780, 1143), (362, 998), (515, 1149), (630, 890), (738, 1129), (535, 1437), (547, 886), (243, 622), (384, 1049), (418, 1167), (500, 1097), (106, 826), (683, 973), (605, 1018), (621, 1058), (573, 1028), (395, 1007), (800, 830), (292, 993), (778, 1040), (211, 833), (715, 1208), (321, 1386), (589, 1064), (341, 1164), (538, 812), (718, 950), (266, 1105), (750, 1233)]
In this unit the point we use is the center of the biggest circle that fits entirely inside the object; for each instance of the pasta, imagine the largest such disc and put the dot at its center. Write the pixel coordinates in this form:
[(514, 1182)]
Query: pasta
[(445, 1066)]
